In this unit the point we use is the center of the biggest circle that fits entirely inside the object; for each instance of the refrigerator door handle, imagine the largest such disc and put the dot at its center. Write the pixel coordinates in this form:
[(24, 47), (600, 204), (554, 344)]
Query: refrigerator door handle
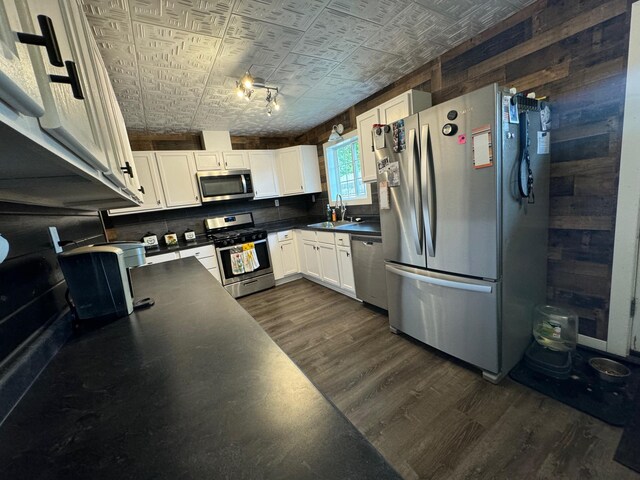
[(471, 287), (426, 185), (415, 190)]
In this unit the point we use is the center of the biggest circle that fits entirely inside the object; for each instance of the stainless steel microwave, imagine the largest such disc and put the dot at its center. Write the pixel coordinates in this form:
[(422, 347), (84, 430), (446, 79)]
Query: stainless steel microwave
[(225, 185)]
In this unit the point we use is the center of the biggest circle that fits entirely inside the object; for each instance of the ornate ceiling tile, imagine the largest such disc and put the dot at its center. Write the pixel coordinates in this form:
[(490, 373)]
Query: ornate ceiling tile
[(334, 36), (363, 64), (168, 48), (409, 29), (174, 63), (298, 14), (205, 17), (377, 11), (301, 69)]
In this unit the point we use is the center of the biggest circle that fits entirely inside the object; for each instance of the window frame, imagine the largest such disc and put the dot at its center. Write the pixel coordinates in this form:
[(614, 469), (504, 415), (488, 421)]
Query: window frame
[(328, 149)]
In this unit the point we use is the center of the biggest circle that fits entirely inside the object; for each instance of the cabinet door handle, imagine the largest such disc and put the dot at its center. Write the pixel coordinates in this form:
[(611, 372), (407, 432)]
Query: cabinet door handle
[(48, 40), (127, 170), (141, 189), (348, 254), (159, 202), (72, 79), (196, 197)]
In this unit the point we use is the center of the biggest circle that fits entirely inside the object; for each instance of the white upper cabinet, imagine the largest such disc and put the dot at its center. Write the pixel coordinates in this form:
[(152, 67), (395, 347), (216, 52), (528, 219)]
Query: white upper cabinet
[(207, 161), (69, 114), (408, 103), (235, 160), (178, 177), (298, 170), (213, 160), (263, 173), (151, 189), (365, 124), (18, 84)]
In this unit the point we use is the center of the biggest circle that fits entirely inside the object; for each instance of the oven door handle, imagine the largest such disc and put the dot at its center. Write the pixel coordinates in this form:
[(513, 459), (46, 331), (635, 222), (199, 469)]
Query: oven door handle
[(240, 244)]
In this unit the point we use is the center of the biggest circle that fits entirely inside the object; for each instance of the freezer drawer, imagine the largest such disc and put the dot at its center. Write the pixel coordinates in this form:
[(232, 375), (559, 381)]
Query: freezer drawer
[(456, 315)]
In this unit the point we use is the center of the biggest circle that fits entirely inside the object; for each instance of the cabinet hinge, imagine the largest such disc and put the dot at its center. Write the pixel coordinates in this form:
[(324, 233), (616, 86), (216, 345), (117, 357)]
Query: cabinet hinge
[(632, 311)]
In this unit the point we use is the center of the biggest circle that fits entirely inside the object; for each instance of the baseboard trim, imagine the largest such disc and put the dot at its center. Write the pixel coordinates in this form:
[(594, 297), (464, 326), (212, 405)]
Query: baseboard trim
[(19, 374)]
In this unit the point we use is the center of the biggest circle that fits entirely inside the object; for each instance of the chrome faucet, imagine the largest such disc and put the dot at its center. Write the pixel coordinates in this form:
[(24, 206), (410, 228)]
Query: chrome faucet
[(343, 207)]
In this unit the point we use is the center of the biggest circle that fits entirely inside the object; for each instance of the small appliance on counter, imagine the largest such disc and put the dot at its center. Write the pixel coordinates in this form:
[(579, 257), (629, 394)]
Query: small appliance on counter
[(99, 281), (150, 240), (189, 235), (170, 239)]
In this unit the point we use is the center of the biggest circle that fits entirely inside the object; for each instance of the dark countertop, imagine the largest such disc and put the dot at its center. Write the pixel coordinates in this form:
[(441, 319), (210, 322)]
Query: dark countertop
[(191, 388), (367, 227)]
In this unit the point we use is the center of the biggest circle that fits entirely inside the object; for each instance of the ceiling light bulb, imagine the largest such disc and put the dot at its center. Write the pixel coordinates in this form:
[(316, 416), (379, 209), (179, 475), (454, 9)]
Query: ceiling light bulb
[(276, 105), (268, 110), (247, 80)]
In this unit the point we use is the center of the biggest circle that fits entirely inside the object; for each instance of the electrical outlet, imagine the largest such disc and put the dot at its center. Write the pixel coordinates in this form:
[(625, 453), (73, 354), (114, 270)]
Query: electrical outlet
[(277, 202), (55, 239)]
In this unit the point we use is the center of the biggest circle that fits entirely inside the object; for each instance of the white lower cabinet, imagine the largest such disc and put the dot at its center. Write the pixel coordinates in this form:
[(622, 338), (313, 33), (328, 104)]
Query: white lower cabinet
[(163, 257), (345, 266), (289, 258), (206, 255), (284, 255), (311, 259), (329, 264), (326, 257)]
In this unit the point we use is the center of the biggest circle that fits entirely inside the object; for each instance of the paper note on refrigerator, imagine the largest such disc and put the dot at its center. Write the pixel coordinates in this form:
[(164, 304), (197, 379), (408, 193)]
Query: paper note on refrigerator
[(383, 195), (544, 138), (482, 150)]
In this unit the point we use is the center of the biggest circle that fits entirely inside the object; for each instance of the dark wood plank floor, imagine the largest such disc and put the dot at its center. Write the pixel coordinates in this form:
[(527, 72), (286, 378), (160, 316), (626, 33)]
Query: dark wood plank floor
[(430, 416)]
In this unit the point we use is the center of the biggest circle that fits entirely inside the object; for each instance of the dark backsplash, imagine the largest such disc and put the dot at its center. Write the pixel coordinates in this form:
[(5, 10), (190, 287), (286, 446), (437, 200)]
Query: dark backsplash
[(31, 284), (134, 226)]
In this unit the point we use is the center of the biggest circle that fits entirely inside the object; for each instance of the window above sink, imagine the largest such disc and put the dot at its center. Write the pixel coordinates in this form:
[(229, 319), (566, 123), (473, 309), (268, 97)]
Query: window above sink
[(343, 165)]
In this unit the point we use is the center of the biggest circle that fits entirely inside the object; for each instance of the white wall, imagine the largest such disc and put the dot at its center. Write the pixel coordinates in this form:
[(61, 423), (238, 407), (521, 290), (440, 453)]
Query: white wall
[(216, 140), (625, 250)]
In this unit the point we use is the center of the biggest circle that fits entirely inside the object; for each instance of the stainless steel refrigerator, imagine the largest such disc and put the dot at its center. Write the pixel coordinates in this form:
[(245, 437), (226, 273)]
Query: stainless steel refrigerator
[(463, 192)]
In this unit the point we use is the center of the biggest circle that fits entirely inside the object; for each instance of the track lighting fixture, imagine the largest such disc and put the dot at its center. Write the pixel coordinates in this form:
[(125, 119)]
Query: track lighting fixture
[(245, 88)]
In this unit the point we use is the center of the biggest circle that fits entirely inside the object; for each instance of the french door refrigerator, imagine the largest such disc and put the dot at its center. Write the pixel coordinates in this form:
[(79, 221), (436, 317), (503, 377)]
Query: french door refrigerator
[(463, 192)]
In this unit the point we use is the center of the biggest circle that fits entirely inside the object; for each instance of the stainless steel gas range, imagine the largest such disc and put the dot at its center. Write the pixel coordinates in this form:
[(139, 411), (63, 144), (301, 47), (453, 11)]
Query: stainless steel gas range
[(242, 252)]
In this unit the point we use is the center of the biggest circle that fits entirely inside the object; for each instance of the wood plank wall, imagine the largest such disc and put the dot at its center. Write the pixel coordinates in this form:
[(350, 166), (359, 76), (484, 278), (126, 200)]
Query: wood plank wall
[(32, 286), (574, 52), (141, 141)]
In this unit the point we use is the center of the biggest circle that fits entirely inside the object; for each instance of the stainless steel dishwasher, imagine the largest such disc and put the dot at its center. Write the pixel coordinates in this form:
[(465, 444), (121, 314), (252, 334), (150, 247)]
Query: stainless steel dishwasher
[(368, 269)]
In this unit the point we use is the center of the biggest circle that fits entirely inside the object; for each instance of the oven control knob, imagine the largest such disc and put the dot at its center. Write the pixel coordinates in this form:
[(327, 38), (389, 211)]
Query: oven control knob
[(254, 236)]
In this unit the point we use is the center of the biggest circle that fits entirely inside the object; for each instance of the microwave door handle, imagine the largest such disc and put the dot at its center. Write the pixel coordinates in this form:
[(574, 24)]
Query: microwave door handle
[(244, 182), (428, 190), (414, 158)]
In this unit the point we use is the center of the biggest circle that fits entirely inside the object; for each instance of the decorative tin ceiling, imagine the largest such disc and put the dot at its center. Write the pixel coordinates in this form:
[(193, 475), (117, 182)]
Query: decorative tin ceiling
[(174, 63)]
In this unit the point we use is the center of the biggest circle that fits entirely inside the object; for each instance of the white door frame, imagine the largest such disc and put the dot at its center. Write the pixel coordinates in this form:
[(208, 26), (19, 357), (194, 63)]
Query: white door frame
[(625, 249)]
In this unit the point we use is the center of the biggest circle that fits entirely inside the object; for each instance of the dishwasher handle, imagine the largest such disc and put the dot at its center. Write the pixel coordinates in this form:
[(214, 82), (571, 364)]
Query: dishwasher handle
[(368, 240)]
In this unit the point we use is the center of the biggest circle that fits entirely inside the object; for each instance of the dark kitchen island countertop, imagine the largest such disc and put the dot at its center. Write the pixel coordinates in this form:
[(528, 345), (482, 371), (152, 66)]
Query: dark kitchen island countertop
[(191, 388)]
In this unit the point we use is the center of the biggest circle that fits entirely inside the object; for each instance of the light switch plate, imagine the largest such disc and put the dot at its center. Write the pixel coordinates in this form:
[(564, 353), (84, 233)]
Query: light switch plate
[(277, 202), (55, 239)]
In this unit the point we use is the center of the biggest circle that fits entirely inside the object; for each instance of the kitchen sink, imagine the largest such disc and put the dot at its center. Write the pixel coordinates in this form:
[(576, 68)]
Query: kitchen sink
[(330, 225)]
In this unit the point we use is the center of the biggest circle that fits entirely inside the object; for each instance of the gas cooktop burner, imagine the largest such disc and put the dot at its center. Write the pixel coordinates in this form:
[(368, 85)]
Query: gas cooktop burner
[(233, 230), (235, 237)]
